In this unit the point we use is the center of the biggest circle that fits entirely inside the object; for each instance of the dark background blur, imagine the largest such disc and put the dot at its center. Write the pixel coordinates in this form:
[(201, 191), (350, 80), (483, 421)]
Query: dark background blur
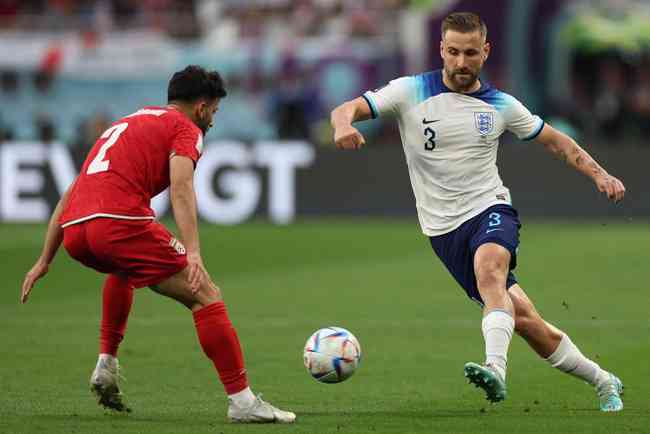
[(68, 68)]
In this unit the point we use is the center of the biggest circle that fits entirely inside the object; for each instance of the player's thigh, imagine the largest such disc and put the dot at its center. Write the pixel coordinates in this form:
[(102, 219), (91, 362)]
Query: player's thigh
[(494, 244), (178, 288), (498, 225), (451, 249), (143, 250), (491, 265)]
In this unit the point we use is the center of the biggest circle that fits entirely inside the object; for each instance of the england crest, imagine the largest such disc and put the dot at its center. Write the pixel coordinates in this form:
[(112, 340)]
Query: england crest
[(484, 122)]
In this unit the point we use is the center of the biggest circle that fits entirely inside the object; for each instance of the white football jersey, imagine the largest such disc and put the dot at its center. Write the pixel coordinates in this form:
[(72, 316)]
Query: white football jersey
[(450, 140)]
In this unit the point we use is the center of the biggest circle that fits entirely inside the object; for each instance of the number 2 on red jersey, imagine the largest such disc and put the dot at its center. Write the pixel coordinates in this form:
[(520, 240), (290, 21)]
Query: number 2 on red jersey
[(112, 134)]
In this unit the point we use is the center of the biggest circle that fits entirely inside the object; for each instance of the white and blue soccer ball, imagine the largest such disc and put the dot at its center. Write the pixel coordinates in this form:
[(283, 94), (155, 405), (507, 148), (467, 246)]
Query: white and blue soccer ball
[(332, 354)]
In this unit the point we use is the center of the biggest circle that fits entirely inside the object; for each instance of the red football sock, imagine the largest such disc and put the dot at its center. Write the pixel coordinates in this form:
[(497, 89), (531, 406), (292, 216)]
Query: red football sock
[(220, 343), (116, 305)]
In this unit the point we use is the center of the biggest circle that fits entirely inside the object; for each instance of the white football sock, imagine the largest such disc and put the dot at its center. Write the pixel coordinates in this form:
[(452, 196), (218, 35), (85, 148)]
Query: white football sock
[(243, 399), (106, 360), (568, 358), (497, 327)]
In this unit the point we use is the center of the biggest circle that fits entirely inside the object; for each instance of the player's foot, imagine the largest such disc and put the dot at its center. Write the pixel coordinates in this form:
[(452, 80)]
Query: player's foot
[(259, 412), (103, 384), (487, 379), (609, 394)]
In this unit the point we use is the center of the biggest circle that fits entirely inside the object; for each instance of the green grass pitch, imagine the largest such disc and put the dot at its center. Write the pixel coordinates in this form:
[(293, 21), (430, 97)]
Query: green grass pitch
[(378, 278)]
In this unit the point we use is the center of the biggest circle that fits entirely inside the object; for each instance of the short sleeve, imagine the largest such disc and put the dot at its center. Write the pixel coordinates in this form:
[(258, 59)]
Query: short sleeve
[(393, 98), (187, 141), (519, 120)]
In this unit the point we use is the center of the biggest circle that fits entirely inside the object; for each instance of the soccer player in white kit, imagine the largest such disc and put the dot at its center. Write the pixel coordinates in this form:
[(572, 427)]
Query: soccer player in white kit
[(450, 122)]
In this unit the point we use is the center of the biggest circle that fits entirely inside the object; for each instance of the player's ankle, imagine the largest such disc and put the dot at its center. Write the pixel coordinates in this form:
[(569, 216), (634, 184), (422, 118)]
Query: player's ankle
[(242, 399), (601, 378), (106, 358), (498, 368)]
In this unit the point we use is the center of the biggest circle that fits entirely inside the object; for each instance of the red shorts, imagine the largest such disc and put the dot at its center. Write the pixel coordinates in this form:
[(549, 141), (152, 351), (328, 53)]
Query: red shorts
[(142, 250)]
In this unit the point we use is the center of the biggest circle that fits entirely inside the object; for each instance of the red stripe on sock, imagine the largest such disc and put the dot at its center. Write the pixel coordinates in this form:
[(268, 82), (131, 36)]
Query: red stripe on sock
[(220, 343), (117, 299)]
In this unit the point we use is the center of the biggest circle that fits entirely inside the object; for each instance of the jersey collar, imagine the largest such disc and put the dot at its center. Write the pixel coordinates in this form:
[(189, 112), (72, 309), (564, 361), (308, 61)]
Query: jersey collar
[(481, 92)]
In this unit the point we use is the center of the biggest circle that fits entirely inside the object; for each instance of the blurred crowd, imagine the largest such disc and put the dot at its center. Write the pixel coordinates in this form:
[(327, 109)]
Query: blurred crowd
[(286, 101), (194, 18), (342, 18), (175, 17), (610, 92), (611, 96)]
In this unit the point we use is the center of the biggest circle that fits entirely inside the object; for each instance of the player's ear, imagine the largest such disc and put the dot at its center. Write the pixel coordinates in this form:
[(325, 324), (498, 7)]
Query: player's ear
[(486, 51), (200, 108), (442, 48)]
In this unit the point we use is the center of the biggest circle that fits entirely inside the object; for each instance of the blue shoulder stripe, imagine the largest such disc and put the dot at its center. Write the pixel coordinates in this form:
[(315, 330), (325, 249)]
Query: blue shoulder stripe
[(428, 84), (493, 97)]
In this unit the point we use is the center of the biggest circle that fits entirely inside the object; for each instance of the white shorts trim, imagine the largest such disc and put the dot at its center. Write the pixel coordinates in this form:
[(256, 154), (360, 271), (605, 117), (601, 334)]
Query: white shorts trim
[(114, 216)]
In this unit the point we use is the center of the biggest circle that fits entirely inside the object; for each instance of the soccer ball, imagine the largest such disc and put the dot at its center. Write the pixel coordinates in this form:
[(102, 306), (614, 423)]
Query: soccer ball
[(332, 354)]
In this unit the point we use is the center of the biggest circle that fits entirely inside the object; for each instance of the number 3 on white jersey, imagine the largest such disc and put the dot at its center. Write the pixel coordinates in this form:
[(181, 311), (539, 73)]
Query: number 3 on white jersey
[(112, 134)]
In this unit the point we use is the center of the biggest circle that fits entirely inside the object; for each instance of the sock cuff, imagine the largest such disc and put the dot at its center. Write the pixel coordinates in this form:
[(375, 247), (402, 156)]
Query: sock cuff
[(216, 309), (499, 315), (561, 352)]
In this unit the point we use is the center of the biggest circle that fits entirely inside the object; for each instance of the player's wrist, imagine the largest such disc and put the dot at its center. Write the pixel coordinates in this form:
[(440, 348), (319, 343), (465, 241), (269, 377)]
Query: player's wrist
[(194, 253), (599, 175)]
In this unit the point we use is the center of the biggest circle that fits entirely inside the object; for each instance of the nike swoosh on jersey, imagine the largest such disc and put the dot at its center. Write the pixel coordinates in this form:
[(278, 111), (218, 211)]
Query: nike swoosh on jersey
[(492, 230), (426, 122)]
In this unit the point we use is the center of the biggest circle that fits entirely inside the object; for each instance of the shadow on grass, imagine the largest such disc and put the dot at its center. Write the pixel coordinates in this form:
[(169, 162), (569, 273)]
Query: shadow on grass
[(133, 418), (395, 414), (119, 418)]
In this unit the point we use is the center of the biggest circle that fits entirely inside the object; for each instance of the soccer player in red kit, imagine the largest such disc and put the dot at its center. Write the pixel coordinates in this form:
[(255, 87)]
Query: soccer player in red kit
[(105, 221)]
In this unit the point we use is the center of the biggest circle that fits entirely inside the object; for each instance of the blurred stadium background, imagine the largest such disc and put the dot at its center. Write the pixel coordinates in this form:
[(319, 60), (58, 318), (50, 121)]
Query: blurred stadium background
[(68, 68)]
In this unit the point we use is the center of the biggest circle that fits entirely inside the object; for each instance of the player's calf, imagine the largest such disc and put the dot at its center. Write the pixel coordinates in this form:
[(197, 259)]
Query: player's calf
[(220, 344)]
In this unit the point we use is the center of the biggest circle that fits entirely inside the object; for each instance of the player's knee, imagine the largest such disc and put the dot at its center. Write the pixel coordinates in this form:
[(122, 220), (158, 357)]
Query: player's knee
[(207, 294), (491, 273), (491, 262)]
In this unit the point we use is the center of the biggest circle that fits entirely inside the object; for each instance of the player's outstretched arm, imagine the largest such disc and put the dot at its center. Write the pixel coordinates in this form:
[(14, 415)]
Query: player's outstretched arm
[(567, 150), (183, 199), (342, 117), (53, 239)]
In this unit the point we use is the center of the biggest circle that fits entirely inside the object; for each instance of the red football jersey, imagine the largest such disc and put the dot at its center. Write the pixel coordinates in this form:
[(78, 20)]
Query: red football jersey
[(129, 164)]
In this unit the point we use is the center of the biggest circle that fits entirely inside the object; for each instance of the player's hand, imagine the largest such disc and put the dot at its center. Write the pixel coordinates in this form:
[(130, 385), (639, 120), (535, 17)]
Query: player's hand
[(198, 273), (38, 270), (348, 138), (611, 186)]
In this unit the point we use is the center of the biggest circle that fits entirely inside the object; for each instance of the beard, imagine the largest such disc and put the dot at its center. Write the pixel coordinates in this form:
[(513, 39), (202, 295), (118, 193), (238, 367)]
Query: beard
[(463, 79), (205, 125)]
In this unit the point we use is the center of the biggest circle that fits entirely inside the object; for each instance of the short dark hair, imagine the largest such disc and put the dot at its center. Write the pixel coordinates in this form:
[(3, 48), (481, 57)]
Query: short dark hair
[(463, 22), (193, 83)]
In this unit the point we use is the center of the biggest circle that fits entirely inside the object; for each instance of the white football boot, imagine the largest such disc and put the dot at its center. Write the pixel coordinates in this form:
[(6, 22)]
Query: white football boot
[(609, 394), (258, 412), (103, 384)]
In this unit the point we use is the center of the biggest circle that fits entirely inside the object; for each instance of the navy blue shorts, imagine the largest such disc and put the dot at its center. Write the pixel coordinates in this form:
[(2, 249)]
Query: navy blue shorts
[(498, 224)]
